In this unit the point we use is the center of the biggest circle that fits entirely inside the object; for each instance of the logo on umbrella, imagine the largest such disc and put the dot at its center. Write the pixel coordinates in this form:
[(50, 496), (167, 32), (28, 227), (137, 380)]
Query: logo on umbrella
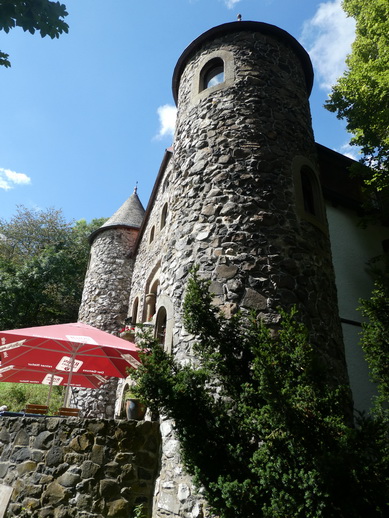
[(50, 379), (65, 364)]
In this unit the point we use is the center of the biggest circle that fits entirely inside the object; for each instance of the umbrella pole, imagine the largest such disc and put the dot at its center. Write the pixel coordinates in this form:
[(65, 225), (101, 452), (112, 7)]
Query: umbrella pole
[(67, 392), (65, 399), (50, 389)]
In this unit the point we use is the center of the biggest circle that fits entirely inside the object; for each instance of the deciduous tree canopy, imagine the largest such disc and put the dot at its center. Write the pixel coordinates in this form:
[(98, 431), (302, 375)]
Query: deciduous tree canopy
[(44, 16), (361, 95), (43, 260)]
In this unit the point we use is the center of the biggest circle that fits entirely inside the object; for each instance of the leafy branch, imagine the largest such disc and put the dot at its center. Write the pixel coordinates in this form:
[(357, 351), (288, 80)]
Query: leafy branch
[(44, 16)]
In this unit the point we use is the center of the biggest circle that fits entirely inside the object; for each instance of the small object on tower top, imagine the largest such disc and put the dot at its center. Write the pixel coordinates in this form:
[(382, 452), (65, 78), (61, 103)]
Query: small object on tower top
[(239, 17)]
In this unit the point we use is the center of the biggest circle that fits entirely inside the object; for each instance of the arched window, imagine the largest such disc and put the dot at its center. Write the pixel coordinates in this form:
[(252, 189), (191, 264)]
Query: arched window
[(134, 314), (311, 192), (309, 199), (307, 190), (164, 215), (160, 325), (212, 74)]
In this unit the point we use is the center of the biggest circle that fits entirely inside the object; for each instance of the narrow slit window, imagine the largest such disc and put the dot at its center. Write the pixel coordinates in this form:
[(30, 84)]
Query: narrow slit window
[(152, 232), (160, 326), (308, 194), (164, 215), (135, 311)]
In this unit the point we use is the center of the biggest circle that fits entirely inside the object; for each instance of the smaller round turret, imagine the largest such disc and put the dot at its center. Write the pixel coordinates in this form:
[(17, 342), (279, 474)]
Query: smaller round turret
[(107, 285)]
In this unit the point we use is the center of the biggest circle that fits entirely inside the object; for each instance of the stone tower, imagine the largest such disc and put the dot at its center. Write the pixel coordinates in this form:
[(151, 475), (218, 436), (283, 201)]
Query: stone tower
[(240, 197), (105, 297)]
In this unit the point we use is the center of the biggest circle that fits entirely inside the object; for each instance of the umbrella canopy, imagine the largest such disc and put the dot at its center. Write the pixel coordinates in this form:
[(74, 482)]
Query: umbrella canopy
[(74, 348), (71, 354), (14, 374)]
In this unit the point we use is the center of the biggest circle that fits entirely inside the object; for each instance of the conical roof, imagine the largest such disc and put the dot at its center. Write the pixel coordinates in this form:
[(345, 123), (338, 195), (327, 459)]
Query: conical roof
[(130, 214)]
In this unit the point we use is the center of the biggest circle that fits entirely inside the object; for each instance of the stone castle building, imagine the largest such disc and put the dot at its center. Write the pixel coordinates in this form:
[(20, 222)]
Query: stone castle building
[(268, 215)]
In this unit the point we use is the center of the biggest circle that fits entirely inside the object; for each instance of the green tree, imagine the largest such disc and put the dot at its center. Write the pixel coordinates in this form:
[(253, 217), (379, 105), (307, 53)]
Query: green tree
[(361, 95), (29, 232), (260, 425), (43, 260), (44, 16)]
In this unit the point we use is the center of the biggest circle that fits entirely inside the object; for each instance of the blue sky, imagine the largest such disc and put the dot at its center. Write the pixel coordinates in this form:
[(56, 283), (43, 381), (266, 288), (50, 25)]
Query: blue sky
[(86, 116)]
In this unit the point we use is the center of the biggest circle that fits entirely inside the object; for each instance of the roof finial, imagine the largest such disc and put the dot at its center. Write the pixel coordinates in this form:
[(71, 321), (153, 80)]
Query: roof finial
[(239, 17), (136, 188)]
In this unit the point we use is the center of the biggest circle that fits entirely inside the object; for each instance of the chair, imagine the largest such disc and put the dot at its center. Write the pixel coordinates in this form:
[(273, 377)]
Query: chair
[(36, 409), (68, 412)]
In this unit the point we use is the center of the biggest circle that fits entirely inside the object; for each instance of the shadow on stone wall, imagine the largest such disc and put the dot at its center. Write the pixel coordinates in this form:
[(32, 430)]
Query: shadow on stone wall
[(65, 468)]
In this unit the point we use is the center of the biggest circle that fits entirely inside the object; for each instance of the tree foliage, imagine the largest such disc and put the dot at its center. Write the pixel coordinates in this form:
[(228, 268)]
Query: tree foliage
[(375, 338), (375, 328), (44, 16), (43, 260), (375, 344), (260, 426), (361, 95)]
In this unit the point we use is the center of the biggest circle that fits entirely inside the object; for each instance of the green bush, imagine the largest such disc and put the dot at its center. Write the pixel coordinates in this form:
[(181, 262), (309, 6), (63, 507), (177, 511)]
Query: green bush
[(261, 427)]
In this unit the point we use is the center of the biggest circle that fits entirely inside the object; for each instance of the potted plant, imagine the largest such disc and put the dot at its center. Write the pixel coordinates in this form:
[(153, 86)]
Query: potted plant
[(128, 332), (135, 409)]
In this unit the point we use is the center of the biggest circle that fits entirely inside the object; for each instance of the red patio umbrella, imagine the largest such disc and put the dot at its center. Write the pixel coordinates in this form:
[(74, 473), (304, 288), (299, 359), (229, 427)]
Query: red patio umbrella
[(74, 348)]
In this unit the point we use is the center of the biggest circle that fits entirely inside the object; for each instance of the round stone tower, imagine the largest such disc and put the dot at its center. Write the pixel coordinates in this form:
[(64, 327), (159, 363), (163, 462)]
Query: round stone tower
[(107, 283), (241, 198), (245, 164), (105, 297)]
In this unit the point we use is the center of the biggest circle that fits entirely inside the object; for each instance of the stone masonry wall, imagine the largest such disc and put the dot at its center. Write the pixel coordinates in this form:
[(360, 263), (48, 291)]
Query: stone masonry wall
[(155, 254), (74, 468), (175, 493)]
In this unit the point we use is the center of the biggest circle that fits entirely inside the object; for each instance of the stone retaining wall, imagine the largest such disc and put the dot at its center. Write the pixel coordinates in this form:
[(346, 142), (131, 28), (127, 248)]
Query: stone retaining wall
[(65, 468)]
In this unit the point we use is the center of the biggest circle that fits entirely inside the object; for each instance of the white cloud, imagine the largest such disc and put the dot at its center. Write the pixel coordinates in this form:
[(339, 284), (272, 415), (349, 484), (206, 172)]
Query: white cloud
[(350, 151), (167, 120), (328, 37), (230, 4), (8, 179)]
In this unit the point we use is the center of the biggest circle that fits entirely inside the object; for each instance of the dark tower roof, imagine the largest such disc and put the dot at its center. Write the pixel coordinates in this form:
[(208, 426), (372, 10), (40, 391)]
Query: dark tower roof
[(129, 215), (228, 28)]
